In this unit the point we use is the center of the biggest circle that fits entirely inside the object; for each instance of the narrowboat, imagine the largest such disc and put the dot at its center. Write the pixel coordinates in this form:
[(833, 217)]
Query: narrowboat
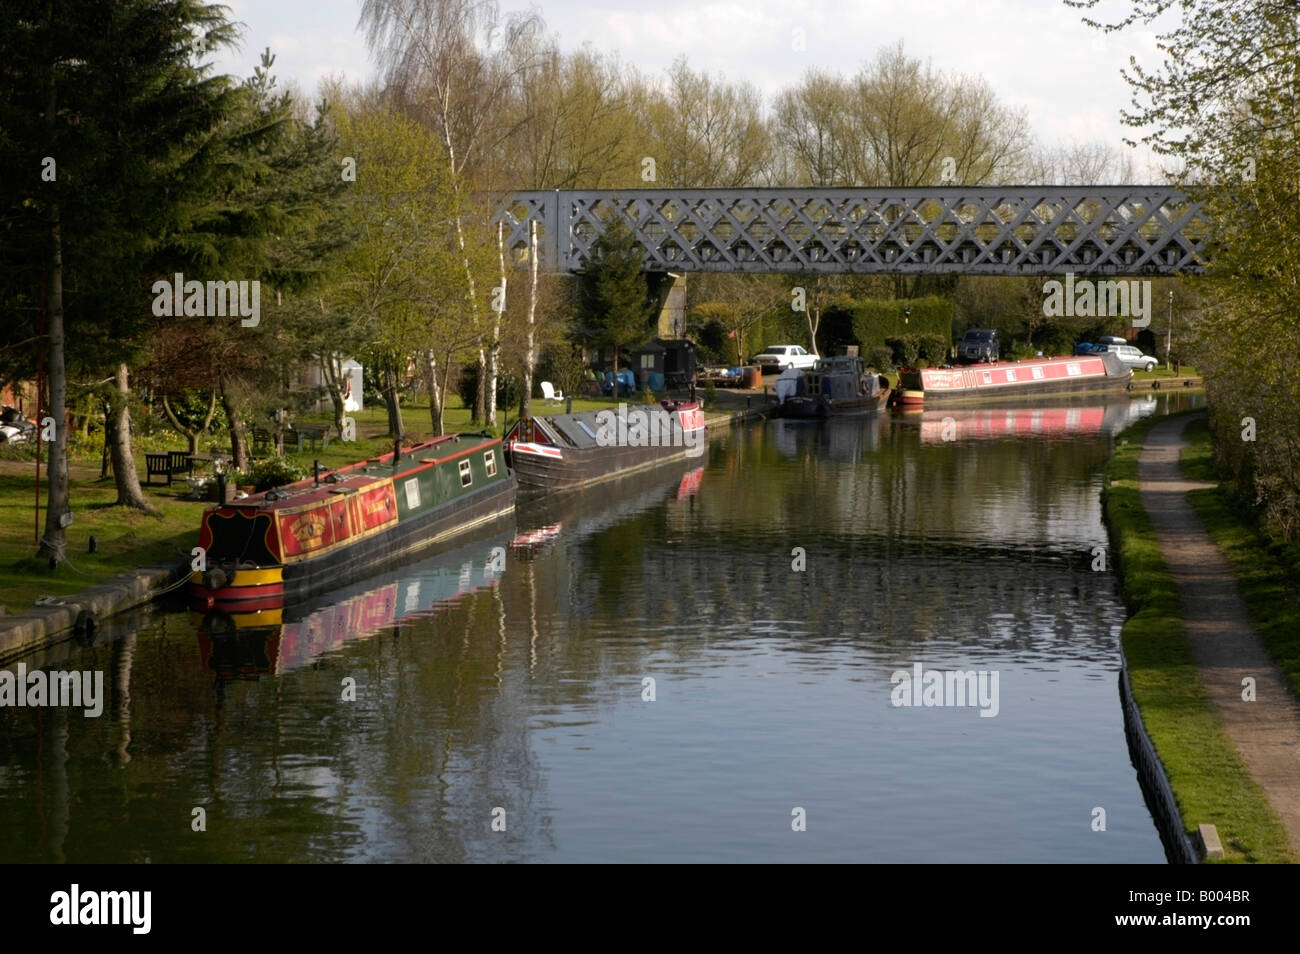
[(292, 542), (834, 386), (568, 451), (1002, 379)]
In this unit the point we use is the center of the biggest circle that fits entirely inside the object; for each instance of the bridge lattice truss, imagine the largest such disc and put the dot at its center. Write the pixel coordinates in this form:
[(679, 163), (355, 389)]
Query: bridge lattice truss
[(981, 230)]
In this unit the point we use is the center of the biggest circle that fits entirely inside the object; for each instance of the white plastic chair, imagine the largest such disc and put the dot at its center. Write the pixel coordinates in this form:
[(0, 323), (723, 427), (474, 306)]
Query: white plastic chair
[(551, 393)]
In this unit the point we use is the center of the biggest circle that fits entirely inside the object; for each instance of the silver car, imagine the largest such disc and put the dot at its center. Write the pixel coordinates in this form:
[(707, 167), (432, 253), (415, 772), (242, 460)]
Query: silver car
[(1133, 357)]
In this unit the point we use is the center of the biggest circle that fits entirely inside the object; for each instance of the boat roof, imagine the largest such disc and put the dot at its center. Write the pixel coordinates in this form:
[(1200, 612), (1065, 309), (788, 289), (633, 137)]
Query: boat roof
[(354, 477), (579, 429)]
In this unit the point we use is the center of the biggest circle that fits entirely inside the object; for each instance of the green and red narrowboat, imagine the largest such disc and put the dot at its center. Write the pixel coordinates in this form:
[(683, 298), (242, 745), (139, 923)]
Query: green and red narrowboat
[(288, 544)]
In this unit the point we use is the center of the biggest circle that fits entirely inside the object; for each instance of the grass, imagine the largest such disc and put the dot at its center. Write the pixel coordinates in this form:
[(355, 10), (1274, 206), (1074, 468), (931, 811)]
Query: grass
[(1267, 570), (1186, 371), (126, 538), (1209, 780)]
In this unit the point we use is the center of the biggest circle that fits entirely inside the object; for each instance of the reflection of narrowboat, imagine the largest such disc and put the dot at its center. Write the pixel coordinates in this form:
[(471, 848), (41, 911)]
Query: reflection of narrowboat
[(544, 520), (295, 541), (246, 645), (566, 451), (834, 386), (1002, 379)]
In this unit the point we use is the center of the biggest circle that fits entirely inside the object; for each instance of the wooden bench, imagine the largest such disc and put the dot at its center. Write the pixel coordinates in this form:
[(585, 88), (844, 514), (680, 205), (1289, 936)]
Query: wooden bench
[(312, 434), (168, 464), (262, 441)]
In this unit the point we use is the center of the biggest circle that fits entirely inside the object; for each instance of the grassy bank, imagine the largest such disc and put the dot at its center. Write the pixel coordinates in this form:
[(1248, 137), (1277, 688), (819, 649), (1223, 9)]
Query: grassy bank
[(129, 538), (1267, 570), (1208, 778), (1160, 373)]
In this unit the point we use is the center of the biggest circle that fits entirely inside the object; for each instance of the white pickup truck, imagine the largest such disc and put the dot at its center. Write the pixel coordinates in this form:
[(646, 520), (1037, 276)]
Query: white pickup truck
[(780, 357)]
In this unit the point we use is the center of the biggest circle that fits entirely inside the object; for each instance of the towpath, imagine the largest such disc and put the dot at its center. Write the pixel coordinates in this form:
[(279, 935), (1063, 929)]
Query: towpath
[(1267, 731)]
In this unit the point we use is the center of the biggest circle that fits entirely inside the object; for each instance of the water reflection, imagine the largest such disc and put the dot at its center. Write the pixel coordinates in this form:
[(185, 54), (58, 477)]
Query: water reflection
[(390, 720)]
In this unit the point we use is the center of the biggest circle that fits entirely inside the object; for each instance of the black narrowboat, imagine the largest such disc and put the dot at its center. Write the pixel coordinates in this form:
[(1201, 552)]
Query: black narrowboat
[(567, 451)]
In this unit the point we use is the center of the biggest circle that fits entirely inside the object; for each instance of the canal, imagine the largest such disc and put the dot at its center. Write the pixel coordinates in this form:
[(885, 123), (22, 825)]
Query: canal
[(686, 666)]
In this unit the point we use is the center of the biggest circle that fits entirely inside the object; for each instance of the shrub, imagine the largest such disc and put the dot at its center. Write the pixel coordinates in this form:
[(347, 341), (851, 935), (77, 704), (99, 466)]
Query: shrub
[(913, 350), (467, 387), (272, 472), (876, 321), (881, 358)]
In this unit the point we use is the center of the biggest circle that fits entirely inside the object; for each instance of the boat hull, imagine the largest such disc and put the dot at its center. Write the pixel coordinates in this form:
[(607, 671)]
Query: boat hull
[(930, 387), (804, 407), (583, 467), (253, 589)]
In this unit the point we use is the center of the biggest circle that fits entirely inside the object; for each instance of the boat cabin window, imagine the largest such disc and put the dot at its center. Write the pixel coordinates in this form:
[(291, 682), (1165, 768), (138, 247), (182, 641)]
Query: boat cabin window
[(466, 474), (490, 462)]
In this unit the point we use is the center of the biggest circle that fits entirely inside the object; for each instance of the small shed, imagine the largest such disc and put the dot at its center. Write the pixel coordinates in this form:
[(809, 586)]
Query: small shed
[(665, 363)]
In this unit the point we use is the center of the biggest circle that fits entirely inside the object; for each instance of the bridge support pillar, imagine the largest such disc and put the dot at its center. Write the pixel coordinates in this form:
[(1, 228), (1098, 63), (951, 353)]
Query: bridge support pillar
[(672, 310)]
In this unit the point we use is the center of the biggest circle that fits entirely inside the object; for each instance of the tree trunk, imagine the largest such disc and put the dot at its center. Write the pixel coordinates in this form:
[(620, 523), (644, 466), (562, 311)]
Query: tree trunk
[(435, 394), (235, 421), (442, 394), (55, 538), (105, 461), (494, 346), (117, 431), (335, 382), (530, 346), (480, 395), (193, 433), (392, 398)]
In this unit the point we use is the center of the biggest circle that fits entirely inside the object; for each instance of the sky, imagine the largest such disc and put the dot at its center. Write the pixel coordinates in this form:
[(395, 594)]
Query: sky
[(1035, 54)]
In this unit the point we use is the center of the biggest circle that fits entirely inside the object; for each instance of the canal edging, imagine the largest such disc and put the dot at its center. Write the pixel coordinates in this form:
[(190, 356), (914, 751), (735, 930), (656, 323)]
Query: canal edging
[(1152, 777), (39, 627)]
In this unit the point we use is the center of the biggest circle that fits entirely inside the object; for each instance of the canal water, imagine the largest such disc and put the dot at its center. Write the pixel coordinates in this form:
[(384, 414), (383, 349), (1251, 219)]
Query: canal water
[(689, 666)]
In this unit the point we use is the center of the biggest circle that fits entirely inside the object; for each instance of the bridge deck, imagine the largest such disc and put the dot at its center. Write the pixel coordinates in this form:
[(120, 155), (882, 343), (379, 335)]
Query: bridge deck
[(976, 230)]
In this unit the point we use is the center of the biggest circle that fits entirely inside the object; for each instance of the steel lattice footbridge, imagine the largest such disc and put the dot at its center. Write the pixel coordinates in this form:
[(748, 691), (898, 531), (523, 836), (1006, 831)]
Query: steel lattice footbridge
[(969, 230)]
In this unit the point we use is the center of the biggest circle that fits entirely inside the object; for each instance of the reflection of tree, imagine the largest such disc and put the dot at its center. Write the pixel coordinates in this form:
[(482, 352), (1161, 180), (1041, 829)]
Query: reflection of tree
[(912, 551)]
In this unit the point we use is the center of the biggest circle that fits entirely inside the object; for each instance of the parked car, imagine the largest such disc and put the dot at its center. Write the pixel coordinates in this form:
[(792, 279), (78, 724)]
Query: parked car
[(780, 357), (1133, 357), (1087, 347), (979, 344), (13, 428)]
